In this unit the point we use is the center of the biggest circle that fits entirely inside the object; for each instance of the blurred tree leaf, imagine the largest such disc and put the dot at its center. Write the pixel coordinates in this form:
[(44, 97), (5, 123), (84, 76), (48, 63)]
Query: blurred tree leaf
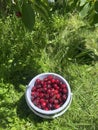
[(96, 6), (30, 8), (28, 15), (84, 12), (42, 8), (82, 2), (95, 21)]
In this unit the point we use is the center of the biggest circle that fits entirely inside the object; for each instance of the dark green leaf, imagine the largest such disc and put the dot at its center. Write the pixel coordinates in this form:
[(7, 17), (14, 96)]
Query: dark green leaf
[(96, 18), (96, 6), (28, 15)]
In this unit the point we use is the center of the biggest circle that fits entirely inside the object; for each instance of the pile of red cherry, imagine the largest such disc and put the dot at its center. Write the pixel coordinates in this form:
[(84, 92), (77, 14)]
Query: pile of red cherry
[(49, 93)]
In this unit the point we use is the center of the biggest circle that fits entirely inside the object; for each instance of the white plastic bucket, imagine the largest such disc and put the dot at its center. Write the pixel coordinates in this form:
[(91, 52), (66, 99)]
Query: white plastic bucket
[(50, 113)]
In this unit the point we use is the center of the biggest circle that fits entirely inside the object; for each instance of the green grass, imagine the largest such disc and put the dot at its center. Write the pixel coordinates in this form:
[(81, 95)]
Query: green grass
[(67, 46)]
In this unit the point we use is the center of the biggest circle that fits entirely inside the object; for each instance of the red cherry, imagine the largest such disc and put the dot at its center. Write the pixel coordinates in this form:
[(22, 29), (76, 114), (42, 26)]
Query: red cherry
[(63, 85), (39, 106), (47, 96), (43, 104), (38, 81), (56, 106), (50, 77), (41, 100), (18, 14), (42, 83), (56, 91), (32, 93), (64, 97), (44, 86), (38, 86), (48, 91), (60, 90), (48, 86), (64, 90), (46, 108), (41, 95), (36, 102), (33, 88), (55, 86), (50, 106), (51, 100), (57, 81), (51, 94), (53, 80), (45, 79), (48, 82), (46, 100), (58, 96), (56, 101), (45, 89), (60, 83), (52, 90)]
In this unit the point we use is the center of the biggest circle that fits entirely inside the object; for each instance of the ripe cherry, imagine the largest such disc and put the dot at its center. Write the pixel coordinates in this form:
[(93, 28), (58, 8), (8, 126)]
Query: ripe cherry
[(56, 101), (58, 96), (56, 106), (18, 14), (49, 93), (38, 81), (64, 90), (43, 104)]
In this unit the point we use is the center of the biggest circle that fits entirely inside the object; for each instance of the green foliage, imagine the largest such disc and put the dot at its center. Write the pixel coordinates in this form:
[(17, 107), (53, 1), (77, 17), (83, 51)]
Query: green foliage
[(96, 6), (5, 7), (28, 9), (87, 9), (28, 15), (16, 47), (43, 9), (67, 46)]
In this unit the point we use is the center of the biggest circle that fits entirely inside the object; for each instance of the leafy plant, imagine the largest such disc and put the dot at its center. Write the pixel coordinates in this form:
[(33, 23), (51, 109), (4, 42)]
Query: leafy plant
[(29, 9), (89, 9), (57, 48)]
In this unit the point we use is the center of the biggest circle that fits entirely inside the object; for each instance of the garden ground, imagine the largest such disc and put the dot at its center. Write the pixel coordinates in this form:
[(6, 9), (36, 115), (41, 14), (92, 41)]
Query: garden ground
[(67, 46)]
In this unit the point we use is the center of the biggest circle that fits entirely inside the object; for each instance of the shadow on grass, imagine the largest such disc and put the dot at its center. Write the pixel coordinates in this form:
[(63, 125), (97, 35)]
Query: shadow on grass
[(20, 74), (75, 51), (23, 75), (24, 112), (79, 53), (6, 114)]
